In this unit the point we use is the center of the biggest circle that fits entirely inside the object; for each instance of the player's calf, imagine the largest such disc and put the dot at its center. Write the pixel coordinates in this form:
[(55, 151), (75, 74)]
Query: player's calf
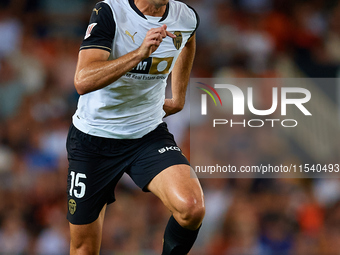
[(182, 229), (177, 239)]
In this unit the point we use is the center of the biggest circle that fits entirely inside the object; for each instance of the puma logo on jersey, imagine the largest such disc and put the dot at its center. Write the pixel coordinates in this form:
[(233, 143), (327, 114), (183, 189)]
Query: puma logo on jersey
[(95, 10), (132, 36)]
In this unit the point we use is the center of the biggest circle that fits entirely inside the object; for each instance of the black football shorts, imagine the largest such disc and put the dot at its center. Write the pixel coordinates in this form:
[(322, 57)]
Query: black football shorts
[(96, 164)]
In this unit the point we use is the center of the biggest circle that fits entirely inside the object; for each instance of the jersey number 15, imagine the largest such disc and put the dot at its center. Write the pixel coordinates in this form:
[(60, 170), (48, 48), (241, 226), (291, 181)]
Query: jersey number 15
[(75, 183)]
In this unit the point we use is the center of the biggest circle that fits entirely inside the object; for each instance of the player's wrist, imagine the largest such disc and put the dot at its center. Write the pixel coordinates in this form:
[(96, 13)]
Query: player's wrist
[(178, 103), (172, 106), (142, 53)]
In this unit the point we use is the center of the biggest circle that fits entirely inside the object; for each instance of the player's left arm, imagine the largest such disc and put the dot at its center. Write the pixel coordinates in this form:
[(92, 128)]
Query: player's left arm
[(180, 78)]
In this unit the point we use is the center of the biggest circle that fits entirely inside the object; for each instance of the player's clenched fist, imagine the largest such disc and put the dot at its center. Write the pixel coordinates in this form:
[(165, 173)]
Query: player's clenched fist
[(153, 39)]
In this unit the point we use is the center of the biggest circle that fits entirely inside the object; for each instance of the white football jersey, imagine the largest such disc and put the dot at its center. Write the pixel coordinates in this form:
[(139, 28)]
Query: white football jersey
[(132, 106)]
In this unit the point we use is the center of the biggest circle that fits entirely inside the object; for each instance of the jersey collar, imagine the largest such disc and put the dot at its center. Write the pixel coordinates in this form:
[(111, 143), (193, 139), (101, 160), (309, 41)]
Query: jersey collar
[(134, 7)]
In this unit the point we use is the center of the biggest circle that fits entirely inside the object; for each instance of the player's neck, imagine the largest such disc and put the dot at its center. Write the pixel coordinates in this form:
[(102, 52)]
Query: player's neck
[(151, 7)]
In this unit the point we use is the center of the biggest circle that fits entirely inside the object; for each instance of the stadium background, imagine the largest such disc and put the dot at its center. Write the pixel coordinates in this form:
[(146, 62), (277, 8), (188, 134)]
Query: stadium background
[(39, 41)]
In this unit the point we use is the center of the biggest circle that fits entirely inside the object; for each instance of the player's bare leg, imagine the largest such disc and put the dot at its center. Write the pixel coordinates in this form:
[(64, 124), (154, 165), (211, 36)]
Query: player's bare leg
[(183, 196), (86, 239)]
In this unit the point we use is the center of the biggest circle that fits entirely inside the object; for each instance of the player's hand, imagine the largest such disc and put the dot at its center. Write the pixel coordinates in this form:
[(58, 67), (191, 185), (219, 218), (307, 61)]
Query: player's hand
[(172, 106), (153, 39)]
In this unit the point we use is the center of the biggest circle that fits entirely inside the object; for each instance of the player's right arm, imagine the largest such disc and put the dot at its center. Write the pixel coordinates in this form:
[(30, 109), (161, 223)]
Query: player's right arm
[(94, 71)]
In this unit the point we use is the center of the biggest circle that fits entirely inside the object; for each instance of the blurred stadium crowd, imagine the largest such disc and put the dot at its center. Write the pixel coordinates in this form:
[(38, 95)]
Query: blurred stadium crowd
[(39, 42)]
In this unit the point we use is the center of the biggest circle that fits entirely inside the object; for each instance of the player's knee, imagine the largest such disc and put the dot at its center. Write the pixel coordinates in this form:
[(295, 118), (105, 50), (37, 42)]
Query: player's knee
[(191, 213)]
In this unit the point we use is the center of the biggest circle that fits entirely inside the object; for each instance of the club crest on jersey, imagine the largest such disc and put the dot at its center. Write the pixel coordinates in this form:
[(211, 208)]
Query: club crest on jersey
[(178, 40), (72, 206), (89, 30)]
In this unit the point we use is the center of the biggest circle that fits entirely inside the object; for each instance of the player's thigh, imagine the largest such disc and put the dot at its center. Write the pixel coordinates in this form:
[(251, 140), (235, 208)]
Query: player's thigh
[(178, 188), (86, 239), (92, 176)]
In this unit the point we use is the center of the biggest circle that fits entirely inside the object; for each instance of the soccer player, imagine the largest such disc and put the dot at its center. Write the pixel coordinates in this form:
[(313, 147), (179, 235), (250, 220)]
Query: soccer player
[(129, 49)]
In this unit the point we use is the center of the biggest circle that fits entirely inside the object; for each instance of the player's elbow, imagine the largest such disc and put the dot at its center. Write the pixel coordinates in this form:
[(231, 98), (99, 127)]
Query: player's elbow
[(80, 85), (87, 83), (80, 90), (179, 106)]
